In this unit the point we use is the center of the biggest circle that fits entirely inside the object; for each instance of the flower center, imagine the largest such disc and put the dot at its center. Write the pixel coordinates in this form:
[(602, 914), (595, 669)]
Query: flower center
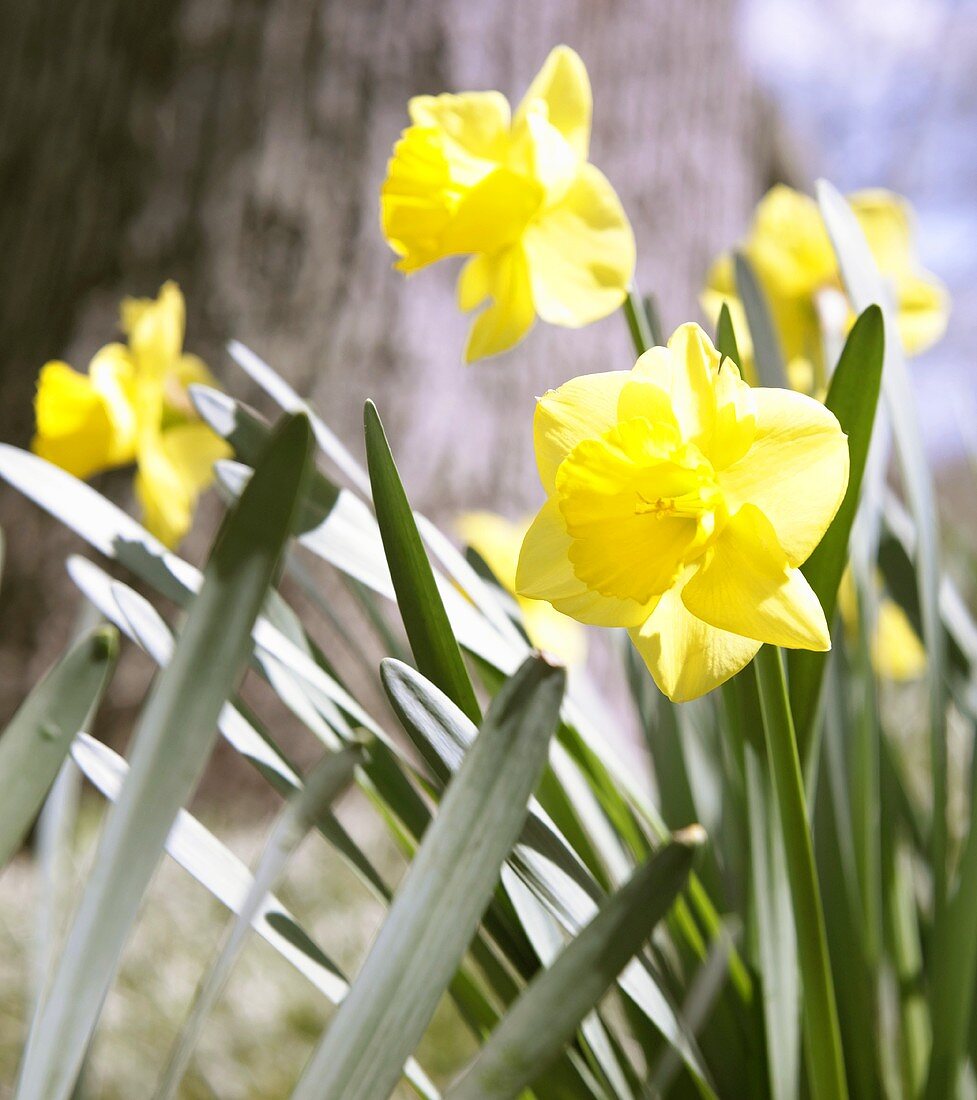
[(639, 505)]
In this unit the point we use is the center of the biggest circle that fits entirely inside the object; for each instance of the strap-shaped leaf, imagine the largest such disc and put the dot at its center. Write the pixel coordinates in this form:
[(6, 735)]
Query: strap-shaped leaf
[(436, 911), (542, 857), (39, 735), (428, 629), (536, 1027), (324, 784), (767, 355), (853, 397), (170, 749)]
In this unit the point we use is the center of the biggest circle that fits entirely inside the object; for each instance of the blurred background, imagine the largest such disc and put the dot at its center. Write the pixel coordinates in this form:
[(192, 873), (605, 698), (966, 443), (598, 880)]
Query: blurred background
[(238, 147)]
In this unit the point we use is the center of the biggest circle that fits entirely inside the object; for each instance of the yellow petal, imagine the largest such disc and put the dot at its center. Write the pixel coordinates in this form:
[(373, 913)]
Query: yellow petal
[(510, 316), (492, 215), (923, 304), (175, 466), (885, 220), (496, 540), (455, 142), (473, 125), (795, 472), (581, 253), (84, 422), (789, 245), (582, 408), (897, 652), (686, 656), (685, 371), (544, 572), (548, 630), (563, 87), (155, 328), (745, 586)]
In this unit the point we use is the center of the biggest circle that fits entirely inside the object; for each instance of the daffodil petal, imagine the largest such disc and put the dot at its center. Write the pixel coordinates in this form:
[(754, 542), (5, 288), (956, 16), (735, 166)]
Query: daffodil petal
[(795, 472), (580, 409), (581, 253), (155, 328), (686, 656), (476, 124), (897, 651), (884, 218), (510, 316), (496, 540), (548, 630), (745, 586), (563, 86), (789, 246), (923, 312), (685, 371), (544, 573), (175, 466), (492, 215)]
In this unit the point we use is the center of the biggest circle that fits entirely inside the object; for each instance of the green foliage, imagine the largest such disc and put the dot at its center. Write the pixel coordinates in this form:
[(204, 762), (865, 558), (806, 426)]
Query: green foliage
[(547, 906)]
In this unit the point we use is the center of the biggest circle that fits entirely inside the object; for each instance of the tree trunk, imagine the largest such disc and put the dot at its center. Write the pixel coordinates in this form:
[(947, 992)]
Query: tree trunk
[(239, 148)]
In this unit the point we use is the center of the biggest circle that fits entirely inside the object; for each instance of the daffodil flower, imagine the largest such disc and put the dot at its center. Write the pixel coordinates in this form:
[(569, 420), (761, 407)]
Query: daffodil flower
[(544, 230), (791, 254), (681, 503), (896, 650), (132, 407), (497, 541)]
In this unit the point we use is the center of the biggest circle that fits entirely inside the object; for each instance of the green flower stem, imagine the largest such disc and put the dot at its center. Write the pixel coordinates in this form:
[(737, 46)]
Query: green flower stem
[(823, 1037), (638, 323)]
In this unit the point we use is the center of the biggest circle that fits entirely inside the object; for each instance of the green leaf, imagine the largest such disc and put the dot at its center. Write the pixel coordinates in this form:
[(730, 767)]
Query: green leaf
[(542, 857), (542, 1021), (866, 286), (853, 397), (825, 1059), (38, 738), (170, 749), (428, 629), (726, 337), (326, 782), (436, 911), (767, 355)]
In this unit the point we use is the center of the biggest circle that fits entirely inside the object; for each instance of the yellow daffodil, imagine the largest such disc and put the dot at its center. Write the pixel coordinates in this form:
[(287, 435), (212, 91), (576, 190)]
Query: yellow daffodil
[(896, 649), (132, 407), (544, 230), (680, 504), (791, 254), (497, 541)]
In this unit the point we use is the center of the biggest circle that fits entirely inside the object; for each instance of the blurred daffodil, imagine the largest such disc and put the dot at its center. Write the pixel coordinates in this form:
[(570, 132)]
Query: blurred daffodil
[(896, 649), (791, 254), (132, 407), (680, 504), (497, 541), (544, 230)]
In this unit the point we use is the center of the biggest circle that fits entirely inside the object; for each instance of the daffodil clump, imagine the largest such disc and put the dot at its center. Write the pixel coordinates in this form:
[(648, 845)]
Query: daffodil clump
[(680, 504), (132, 408), (543, 229), (791, 255)]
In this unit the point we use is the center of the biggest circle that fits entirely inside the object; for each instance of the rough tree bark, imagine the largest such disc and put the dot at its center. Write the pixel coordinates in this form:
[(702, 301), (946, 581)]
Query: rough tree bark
[(239, 147)]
